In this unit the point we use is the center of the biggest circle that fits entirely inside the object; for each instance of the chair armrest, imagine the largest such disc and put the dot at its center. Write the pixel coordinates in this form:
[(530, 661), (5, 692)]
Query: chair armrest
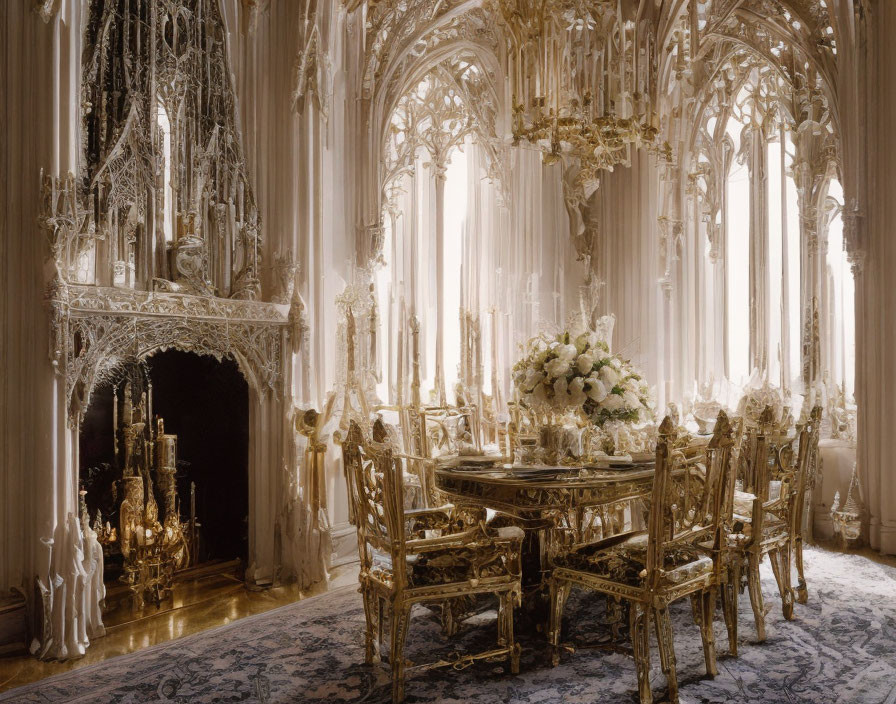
[(478, 536), (418, 546), (447, 518), (443, 518)]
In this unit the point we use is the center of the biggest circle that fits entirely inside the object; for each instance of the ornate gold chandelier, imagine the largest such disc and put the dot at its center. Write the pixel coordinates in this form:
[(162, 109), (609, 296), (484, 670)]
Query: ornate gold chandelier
[(583, 77)]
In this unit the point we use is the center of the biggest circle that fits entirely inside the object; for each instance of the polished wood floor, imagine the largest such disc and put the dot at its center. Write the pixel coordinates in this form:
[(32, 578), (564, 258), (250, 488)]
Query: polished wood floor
[(205, 599)]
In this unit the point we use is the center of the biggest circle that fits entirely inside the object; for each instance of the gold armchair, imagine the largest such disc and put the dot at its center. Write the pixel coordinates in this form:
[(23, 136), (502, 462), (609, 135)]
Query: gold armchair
[(761, 524), (428, 556), (678, 556)]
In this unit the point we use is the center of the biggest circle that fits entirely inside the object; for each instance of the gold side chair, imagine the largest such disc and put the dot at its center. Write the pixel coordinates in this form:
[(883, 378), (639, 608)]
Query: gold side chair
[(427, 556), (761, 524), (678, 556)]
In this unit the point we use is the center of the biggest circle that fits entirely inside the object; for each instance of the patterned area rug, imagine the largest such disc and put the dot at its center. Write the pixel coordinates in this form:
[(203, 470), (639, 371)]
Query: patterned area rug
[(840, 648)]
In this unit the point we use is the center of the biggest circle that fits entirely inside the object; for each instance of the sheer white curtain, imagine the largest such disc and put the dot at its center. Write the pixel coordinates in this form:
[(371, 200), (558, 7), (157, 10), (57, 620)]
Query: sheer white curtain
[(509, 269), (627, 261)]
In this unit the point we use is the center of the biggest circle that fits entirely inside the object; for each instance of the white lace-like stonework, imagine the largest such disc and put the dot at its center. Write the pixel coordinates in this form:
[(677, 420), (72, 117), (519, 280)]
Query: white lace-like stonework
[(95, 329)]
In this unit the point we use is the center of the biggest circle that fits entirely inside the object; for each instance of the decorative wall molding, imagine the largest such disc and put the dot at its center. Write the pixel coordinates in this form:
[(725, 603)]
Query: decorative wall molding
[(161, 153), (96, 329)]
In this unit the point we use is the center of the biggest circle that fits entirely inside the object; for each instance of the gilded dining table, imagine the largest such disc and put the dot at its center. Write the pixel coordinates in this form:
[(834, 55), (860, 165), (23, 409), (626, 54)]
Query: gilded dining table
[(535, 495), (565, 505)]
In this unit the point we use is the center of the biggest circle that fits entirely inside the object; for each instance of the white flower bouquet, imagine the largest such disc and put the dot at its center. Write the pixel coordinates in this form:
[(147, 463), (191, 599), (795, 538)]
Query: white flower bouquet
[(562, 375)]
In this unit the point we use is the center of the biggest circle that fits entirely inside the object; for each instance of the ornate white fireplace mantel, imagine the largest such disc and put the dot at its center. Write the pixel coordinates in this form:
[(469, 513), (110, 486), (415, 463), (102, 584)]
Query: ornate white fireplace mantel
[(96, 328)]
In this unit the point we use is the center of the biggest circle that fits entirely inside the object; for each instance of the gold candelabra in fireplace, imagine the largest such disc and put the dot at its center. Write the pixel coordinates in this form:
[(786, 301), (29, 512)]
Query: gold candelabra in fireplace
[(154, 545)]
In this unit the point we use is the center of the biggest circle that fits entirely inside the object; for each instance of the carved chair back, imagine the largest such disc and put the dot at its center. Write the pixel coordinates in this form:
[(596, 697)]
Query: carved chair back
[(351, 449), (377, 490), (433, 431), (806, 462), (416, 424), (754, 462), (771, 457), (690, 492)]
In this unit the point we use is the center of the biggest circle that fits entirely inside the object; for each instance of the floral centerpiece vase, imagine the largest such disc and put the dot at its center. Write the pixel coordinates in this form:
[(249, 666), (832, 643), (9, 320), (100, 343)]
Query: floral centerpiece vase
[(565, 378)]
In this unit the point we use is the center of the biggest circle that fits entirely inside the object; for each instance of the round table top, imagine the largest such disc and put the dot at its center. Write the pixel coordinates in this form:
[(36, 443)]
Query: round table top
[(529, 491)]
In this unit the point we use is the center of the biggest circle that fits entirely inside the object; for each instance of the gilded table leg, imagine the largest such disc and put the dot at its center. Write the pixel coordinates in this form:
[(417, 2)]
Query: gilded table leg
[(697, 607), (666, 647), (449, 624), (755, 588), (639, 620), (559, 592), (505, 630), (615, 615)]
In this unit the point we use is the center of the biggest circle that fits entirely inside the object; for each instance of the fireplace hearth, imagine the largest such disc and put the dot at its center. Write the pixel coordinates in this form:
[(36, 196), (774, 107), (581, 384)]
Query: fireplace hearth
[(169, 435)]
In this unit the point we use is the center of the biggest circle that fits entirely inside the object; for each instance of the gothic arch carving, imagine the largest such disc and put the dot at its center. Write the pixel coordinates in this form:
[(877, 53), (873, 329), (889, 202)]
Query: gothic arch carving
[(95, 329)]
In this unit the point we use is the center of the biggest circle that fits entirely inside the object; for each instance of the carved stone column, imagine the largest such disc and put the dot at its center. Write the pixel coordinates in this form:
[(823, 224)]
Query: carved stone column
[(810, 298), (754, 150), (439, 169), (670, 230), (811, 173), (708, 181)]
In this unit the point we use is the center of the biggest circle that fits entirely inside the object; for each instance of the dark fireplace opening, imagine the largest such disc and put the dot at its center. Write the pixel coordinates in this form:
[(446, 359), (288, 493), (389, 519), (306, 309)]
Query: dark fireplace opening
[(205, 403)]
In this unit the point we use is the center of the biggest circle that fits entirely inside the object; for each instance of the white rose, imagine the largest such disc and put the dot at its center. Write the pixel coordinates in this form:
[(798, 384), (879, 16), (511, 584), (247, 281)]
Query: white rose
[(613, 402), (533, 376), (609, 376), (567, 352), (631, 401), (596, 389), (557, 367), (615, 363), (584, 363), (576, 391), (539, 392), (560, 392)]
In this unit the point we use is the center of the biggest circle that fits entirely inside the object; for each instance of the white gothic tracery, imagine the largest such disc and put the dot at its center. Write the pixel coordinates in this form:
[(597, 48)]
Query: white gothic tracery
[(195, 117)]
